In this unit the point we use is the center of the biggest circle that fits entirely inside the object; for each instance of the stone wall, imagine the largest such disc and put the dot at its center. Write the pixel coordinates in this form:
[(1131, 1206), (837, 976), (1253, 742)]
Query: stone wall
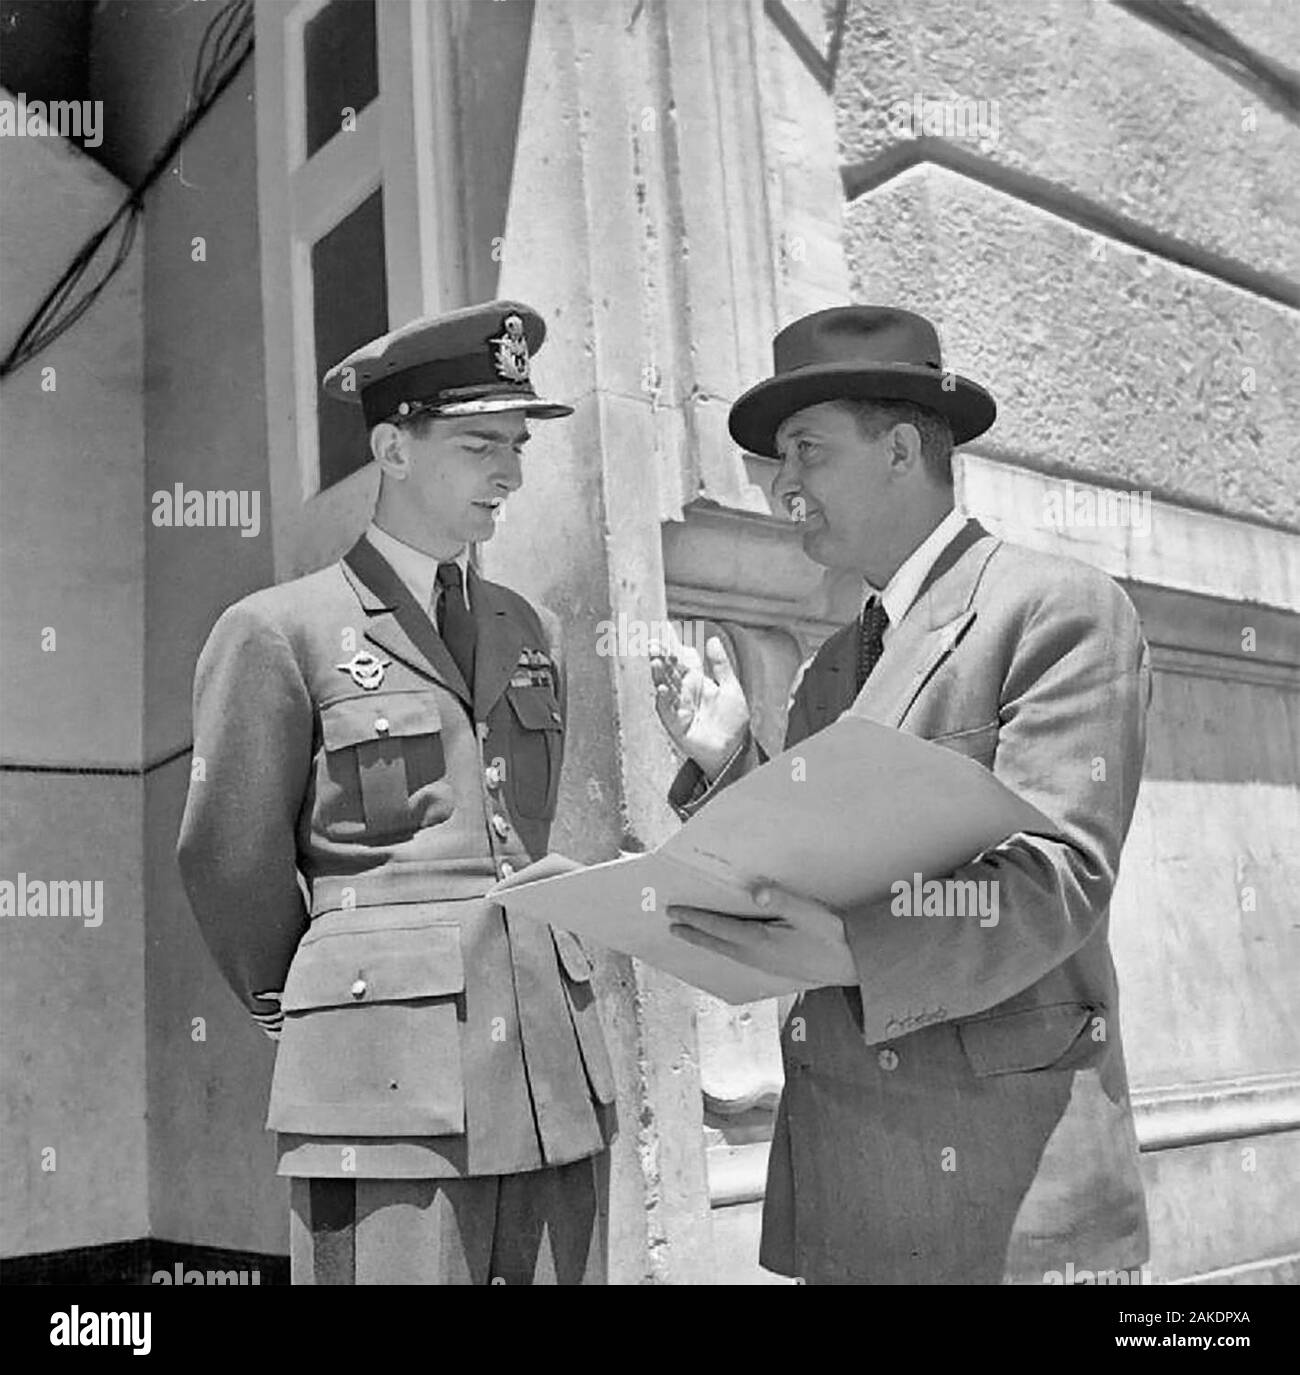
[(72, 1123)]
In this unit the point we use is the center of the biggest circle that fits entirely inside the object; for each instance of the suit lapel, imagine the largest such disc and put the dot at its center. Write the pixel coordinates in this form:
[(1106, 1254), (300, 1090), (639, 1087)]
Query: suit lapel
[(500, 638), (927, 634), (396, 622), (832, 691)]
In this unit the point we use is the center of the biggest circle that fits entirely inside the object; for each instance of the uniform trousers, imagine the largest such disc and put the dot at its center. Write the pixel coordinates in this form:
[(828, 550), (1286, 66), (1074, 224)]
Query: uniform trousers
[(545, 1226)]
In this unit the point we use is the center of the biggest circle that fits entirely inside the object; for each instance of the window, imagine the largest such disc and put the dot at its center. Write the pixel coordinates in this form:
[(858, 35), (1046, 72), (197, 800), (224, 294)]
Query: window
[(359, 223), (341, 66), (349, 288)]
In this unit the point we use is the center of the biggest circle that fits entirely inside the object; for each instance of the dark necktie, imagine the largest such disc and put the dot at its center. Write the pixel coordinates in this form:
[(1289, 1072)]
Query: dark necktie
[(456, 621), (871, 638)]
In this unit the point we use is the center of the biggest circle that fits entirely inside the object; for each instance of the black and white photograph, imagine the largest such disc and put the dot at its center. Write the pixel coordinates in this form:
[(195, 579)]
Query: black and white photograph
[(650, 643)]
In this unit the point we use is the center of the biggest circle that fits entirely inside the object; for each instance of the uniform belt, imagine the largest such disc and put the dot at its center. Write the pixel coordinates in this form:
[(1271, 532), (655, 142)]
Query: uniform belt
[(434, 881)]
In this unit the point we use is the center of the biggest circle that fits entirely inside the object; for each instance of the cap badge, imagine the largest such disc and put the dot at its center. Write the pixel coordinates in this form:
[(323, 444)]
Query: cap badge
[(510, 350), (366, 671)]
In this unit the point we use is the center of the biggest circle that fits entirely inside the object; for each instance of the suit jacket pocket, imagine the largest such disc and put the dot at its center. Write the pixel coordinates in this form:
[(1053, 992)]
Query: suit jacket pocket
[(979, 743), (371, 1039), (379, 750), (1014, 1042), (581, 997)]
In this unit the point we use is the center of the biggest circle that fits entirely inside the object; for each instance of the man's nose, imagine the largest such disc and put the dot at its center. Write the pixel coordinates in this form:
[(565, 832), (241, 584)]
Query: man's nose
[(509, 473), (785, 484)]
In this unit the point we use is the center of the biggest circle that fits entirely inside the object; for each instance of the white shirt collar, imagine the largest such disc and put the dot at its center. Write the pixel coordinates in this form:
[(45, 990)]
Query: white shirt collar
[(418, 570), (901, 590)]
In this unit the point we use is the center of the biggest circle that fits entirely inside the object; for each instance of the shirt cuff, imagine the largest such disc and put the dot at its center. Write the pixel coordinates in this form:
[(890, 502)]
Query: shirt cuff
[(691, 788)]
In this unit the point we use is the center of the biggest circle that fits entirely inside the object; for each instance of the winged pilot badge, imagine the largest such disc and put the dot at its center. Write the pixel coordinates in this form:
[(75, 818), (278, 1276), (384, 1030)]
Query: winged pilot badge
[(365, 670)]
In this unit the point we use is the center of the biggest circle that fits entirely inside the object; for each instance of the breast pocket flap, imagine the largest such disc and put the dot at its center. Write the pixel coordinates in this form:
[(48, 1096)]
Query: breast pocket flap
[(379, 717), (535, 708)]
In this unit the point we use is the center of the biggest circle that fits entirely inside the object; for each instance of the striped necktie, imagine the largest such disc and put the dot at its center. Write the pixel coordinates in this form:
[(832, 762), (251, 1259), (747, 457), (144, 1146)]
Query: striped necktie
[(872, 625)]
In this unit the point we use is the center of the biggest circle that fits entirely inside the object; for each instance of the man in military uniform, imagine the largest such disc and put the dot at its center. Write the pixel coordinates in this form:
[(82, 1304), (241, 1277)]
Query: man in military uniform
[(382, 742)]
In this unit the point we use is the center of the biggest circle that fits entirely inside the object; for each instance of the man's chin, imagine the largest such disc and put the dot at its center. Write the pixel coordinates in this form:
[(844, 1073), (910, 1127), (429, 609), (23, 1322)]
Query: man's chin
[(818, 545), (483, 525)]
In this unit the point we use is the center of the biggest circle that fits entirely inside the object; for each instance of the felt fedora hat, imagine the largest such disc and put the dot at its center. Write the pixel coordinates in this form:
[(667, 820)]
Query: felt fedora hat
[(858, 353)]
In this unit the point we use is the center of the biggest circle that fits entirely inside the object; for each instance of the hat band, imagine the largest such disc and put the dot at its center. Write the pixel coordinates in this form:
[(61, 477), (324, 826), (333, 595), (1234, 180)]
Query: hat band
[(432, 384), (862, 364)]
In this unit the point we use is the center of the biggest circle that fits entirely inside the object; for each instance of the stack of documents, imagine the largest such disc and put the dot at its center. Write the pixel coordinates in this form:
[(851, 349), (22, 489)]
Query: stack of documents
[(841, 817)]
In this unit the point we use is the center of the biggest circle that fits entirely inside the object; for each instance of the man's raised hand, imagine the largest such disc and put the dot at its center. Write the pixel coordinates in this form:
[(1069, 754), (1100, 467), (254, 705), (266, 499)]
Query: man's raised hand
[(705, 713)]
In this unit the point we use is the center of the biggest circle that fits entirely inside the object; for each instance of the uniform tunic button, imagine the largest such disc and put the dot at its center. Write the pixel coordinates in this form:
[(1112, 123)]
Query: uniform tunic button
[(887, 1059), (492, 775), (381, 725), (506, 868), (359, 989), (500, 825), (555, 716)]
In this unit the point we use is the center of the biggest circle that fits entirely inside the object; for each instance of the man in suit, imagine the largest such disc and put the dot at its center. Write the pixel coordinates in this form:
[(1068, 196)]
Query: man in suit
[(956, 1105), (376, 745)]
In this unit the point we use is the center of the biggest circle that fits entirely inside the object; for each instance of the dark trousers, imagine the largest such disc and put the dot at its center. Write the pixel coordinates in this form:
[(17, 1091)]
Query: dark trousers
[(543, 1227)]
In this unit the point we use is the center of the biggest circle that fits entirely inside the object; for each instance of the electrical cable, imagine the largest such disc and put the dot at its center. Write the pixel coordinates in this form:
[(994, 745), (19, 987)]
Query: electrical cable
[(226, 45)]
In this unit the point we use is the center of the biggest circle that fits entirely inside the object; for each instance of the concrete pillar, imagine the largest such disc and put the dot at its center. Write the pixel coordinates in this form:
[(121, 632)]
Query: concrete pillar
[(665, 231)]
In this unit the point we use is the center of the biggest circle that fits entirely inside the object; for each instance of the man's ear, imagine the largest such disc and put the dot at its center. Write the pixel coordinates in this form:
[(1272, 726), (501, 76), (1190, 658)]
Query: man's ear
[(905, 447), (389, 447)]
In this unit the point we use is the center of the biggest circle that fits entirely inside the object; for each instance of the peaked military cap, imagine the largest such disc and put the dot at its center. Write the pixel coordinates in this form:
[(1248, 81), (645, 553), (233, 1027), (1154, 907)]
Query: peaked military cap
[(472, 361)]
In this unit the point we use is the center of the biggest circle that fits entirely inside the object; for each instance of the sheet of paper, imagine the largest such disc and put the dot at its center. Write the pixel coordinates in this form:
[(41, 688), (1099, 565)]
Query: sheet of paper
[(841, 817), (851, 810), (621, 904)]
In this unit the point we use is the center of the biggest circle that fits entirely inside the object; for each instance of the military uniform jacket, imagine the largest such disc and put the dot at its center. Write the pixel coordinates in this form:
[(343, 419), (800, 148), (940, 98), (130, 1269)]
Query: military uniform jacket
[(345, 816), (962, 1116)]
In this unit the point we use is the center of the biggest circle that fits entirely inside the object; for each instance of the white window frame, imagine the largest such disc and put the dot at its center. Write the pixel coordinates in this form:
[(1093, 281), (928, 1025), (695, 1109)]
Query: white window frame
[(404, 142)]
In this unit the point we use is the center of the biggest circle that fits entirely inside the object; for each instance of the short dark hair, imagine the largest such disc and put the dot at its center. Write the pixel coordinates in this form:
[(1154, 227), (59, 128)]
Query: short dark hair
[(418, 425), (874, 417)]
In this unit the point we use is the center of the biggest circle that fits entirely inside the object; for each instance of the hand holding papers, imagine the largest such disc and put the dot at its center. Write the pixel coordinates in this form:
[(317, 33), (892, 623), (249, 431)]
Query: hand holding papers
[(842, 817), (802, 938)]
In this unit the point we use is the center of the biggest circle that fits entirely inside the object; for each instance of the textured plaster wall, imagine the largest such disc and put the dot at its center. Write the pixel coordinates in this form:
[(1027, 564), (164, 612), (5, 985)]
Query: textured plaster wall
[(1105, 359), (72, 1106), (1117, 256), (1096, 103), (211, 1165)]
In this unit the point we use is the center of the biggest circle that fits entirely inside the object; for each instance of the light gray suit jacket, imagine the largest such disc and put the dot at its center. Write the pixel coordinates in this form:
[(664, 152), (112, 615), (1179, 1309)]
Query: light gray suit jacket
[(963, 1115)]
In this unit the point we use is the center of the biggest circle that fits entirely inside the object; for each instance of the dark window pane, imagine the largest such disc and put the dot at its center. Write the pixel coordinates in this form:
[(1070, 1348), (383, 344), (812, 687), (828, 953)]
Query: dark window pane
[(342, 69), (350, 301)]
